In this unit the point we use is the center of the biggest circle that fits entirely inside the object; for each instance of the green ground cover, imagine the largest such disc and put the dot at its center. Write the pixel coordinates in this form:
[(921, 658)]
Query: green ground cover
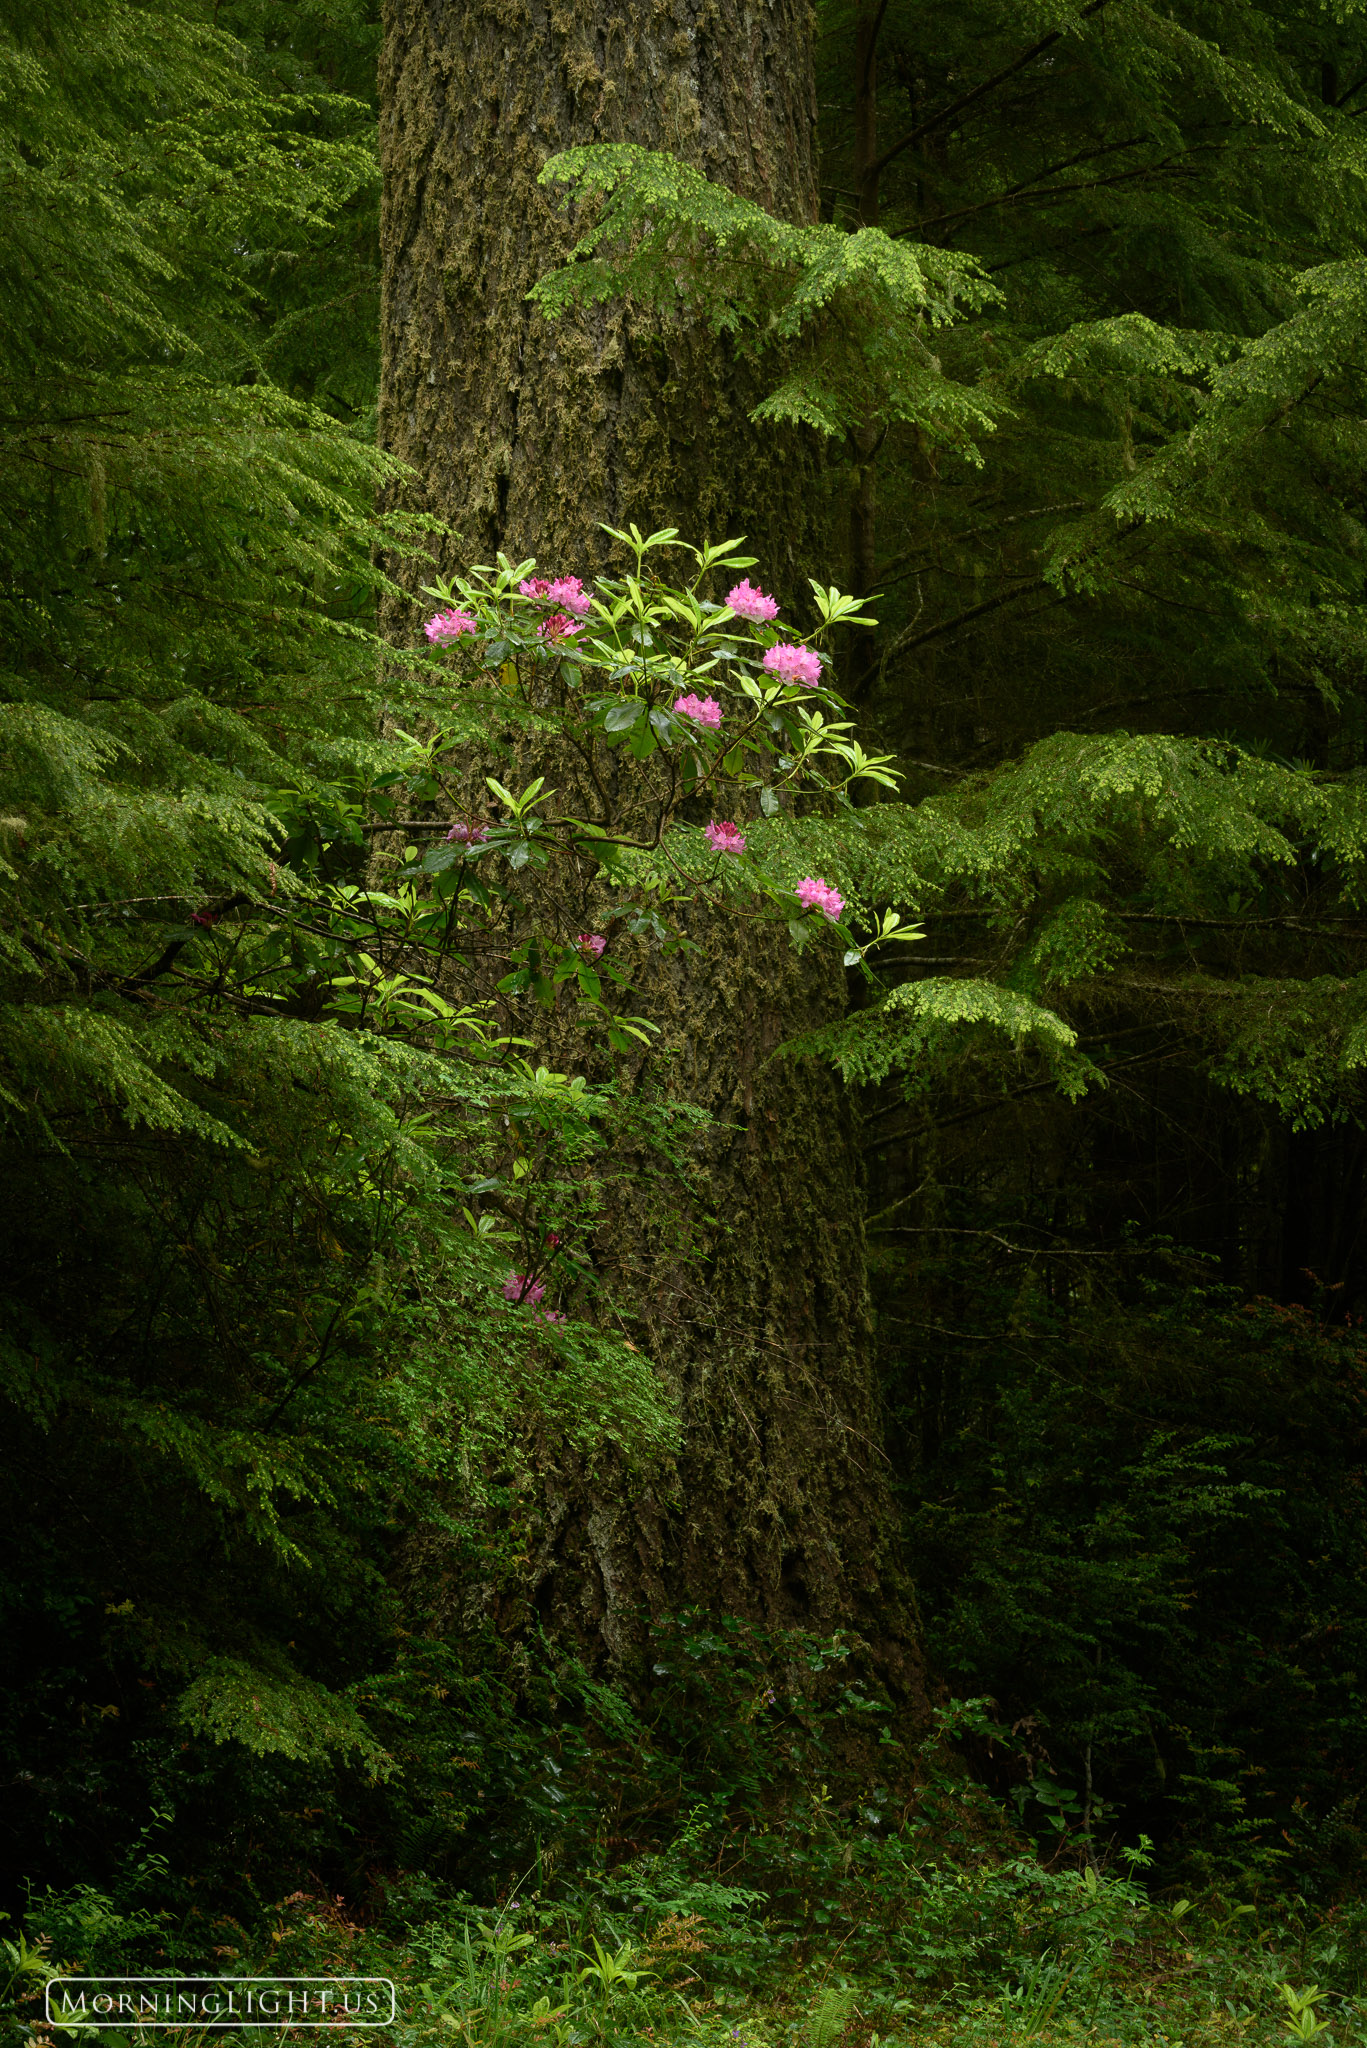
[(937, 1919), (981, 1952)]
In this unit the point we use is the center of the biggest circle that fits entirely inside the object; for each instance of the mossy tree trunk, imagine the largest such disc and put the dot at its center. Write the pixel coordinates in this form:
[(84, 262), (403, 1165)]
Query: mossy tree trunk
[(528, 433), (525, 436)]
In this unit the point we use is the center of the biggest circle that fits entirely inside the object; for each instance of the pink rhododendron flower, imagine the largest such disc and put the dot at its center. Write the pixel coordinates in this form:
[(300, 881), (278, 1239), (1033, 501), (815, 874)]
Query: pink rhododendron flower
[(559, 626), (794, 664), (703, 711), (449, 626), (552, 1315), (519, 1287), (814, 894), (749, 603), (566, 591), (725, 838), (590, 943), (466, 835), (570, 592)]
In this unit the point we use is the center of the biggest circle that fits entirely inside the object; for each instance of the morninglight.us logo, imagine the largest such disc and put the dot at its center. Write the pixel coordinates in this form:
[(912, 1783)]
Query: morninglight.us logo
[(75, 2003)]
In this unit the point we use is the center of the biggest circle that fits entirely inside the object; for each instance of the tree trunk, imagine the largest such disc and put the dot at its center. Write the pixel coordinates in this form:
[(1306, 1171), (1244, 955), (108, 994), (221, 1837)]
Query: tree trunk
[(525, 435)]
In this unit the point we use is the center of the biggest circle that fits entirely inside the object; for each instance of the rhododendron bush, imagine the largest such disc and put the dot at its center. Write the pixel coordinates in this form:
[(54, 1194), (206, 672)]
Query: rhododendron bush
[(681, 728), (660, 704)]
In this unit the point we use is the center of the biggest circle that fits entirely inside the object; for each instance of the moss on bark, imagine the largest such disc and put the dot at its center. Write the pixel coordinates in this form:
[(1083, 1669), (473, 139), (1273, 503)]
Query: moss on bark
[(527, 433)]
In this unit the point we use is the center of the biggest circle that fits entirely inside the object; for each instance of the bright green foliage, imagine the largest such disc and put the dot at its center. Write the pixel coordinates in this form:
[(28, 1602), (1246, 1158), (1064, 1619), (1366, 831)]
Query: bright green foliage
[(183, 585), (923, 1022), (1171, 205), (851, 312), (317, 296), (1015, 1955), (927, 1913), (1140, 869), (1205, 449), (1122, 664), (270, 1145), (185, 575)]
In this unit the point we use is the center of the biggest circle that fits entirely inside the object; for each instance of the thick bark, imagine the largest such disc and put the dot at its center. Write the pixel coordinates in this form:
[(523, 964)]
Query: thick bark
[(525, 435)]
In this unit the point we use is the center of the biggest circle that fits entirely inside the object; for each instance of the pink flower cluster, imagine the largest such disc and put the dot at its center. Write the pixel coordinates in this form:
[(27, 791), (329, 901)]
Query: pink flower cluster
[(449, 626), (520, 1287), (559, 626), (566, 591), (703, 711), (467, 835), (814, 894), (794, 664), (590, 943), (748, 603), (725, 838)]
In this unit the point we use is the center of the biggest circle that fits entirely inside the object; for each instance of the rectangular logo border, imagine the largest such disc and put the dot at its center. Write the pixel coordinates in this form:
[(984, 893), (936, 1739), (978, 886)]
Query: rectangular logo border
[(285, 2022)]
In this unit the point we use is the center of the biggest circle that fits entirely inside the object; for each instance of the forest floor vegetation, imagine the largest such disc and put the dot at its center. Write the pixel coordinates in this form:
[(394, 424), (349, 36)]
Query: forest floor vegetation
[(564, 1971), (913, 1938)]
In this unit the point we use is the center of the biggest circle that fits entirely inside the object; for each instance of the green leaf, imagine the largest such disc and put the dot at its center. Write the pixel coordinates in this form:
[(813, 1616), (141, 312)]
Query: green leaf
[(622, 717)]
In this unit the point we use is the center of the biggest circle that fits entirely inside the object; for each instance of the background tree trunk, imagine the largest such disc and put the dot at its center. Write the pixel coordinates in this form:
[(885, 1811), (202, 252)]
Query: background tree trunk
[(525, 435)]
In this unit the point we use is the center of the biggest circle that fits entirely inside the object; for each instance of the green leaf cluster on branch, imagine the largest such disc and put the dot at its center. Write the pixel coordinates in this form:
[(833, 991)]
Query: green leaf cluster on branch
[(1176, 879), (852, 313)]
